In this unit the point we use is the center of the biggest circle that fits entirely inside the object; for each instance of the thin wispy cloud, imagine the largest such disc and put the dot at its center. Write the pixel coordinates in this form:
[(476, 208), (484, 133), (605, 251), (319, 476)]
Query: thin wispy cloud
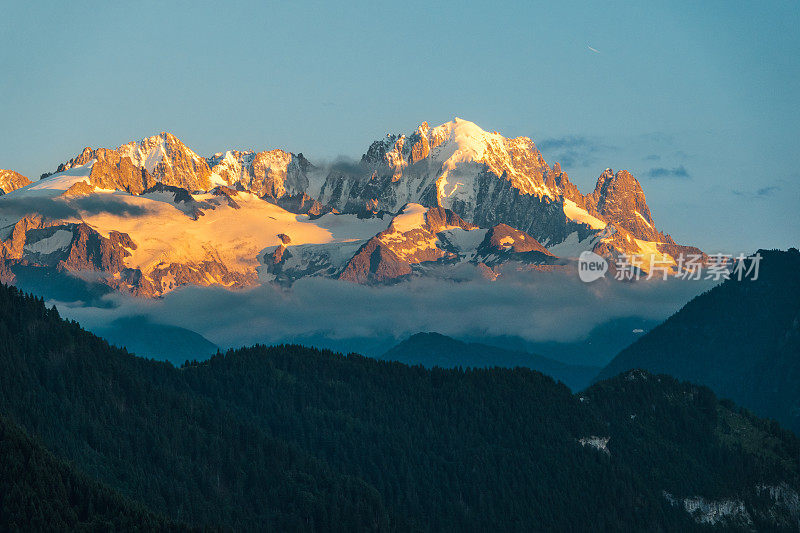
[(572, 150), (763, 192), (678, 172)]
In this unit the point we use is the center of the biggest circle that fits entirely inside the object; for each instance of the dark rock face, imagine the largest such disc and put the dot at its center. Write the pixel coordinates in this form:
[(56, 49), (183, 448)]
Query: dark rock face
[(227, 194), (302, 204), (179, 194), (6, 276), (501, 203), (184, 201), (504, 237), (370, 193), (12, 247), (166, 277), (91, 251), (503, 244), (112, 171), (558, 179), (375, 263), (619, 199), (439, 218), (70, 246)]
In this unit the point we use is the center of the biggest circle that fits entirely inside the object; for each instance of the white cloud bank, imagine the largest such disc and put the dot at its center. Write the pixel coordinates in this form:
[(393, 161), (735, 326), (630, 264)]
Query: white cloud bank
[(533, 306)]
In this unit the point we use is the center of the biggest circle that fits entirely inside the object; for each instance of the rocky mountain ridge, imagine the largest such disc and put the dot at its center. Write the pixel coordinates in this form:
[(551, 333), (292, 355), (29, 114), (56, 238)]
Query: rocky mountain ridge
[(454, 180)]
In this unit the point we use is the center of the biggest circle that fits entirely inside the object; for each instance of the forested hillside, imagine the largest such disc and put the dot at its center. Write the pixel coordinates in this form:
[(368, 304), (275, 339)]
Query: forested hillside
[(135, 425), (292, 438), (434, 349), (39, 492), (741, 338)]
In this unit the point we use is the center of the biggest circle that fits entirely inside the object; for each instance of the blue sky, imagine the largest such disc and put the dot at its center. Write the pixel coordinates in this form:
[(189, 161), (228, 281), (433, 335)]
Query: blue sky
[(698, 99)]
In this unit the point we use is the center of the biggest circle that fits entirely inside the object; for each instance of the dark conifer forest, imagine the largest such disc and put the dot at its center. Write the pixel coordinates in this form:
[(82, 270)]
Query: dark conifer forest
[(289, 438), (741, 338)]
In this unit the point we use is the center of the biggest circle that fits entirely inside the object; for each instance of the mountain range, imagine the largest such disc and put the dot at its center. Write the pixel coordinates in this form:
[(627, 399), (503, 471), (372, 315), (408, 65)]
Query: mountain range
[(150, 216)]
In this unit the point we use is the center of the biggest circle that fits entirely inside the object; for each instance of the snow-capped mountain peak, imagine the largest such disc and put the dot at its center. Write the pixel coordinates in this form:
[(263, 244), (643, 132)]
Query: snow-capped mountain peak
[(437, 197), (136, 166), (270, 173), (151, 151)]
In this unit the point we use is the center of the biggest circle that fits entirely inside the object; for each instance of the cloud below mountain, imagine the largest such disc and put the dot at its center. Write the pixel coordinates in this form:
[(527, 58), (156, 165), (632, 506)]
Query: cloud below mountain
[(552, 307), (58, 208)]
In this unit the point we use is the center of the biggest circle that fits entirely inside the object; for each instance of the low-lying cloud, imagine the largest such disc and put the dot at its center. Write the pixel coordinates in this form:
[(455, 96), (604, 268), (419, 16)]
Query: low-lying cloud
[(341, 165), (534, 306), (61, 208)]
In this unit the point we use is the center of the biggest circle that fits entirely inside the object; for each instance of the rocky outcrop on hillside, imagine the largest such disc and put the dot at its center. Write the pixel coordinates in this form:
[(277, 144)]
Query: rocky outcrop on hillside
[(619, 199), (113, 171), (10, 181), (302, 204), (68, 246), (169, 276), (78, 248), (375, 262)]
